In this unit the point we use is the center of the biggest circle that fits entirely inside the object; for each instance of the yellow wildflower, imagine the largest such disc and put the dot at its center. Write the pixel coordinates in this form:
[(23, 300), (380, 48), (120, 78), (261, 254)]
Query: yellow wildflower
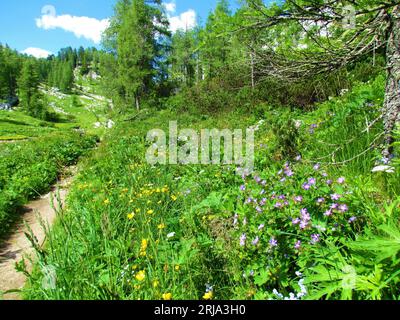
[(208, 295), (161, 226), (167, 296), (150, 211), (144, 245), (131, 216), (107, 201), (177, 267), (141, 275), (174, 198), (156, 283)]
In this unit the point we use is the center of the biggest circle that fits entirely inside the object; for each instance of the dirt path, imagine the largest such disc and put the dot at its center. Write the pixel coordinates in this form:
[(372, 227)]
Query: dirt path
[(18, 246)]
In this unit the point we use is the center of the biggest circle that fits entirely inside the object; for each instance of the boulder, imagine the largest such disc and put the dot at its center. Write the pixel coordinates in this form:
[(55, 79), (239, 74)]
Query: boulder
[(5, 107)]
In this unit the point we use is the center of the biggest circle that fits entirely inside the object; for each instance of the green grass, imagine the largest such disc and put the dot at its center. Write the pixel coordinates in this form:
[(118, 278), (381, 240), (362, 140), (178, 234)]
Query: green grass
[(112, 242)]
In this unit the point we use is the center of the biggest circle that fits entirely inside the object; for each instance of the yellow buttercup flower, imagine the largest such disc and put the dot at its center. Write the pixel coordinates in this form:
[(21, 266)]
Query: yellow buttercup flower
[(167, 296), (208, 295), (137, 210), (131, 216), (141, 275), (161, 226), (156, 283), (150, 211), (177, 267), (144, 245), (106, 201)]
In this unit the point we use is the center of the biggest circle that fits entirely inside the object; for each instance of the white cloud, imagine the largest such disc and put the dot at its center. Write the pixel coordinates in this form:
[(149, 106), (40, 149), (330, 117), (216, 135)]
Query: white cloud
[(89, 28), (185, 21), (37, 52), (170, 7)]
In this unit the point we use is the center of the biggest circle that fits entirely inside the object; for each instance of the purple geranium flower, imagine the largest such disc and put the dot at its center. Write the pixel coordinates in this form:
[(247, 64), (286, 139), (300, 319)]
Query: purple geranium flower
[(306, 186), (298, 198), (255, 241), (312, 181), (352, 219), (273, 242), (315, 238), (296, 221), (335, 196), (243, 238), (278, 205)]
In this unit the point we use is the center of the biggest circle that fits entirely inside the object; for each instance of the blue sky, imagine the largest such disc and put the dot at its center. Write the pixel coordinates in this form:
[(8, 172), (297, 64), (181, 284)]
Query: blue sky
[(50, 25)]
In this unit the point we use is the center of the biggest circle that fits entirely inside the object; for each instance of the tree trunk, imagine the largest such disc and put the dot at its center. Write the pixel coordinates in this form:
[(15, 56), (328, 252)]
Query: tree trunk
[(391, 107), (137, 103)]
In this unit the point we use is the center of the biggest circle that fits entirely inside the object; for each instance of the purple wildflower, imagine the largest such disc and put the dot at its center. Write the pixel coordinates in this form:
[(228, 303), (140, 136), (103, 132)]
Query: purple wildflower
[(334, 206), (298, 158), (317, 167), (242, 187), (320, 200), (289, 172), (282, 197), (273, 242), (296, 221), (297, 245), (278, 205), (315, 238), (341, 180), (328, 213), (343, 208), (258, 209), (312, 181), (335, 196), (261, 226), (329, 182), (298, 198), (303, 224), (255, 241), (352, 219), (306, 186), (243, 238)]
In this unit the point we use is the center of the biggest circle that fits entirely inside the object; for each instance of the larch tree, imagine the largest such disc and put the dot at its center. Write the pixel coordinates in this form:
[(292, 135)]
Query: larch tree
[(134, 38), (28, 89)]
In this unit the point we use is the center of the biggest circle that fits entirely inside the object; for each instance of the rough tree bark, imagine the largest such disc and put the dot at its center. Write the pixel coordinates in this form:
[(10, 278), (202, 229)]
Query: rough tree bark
[(391, 107)]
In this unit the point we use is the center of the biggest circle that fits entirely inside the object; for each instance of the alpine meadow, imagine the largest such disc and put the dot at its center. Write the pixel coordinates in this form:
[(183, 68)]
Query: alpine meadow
[(251, 153)]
